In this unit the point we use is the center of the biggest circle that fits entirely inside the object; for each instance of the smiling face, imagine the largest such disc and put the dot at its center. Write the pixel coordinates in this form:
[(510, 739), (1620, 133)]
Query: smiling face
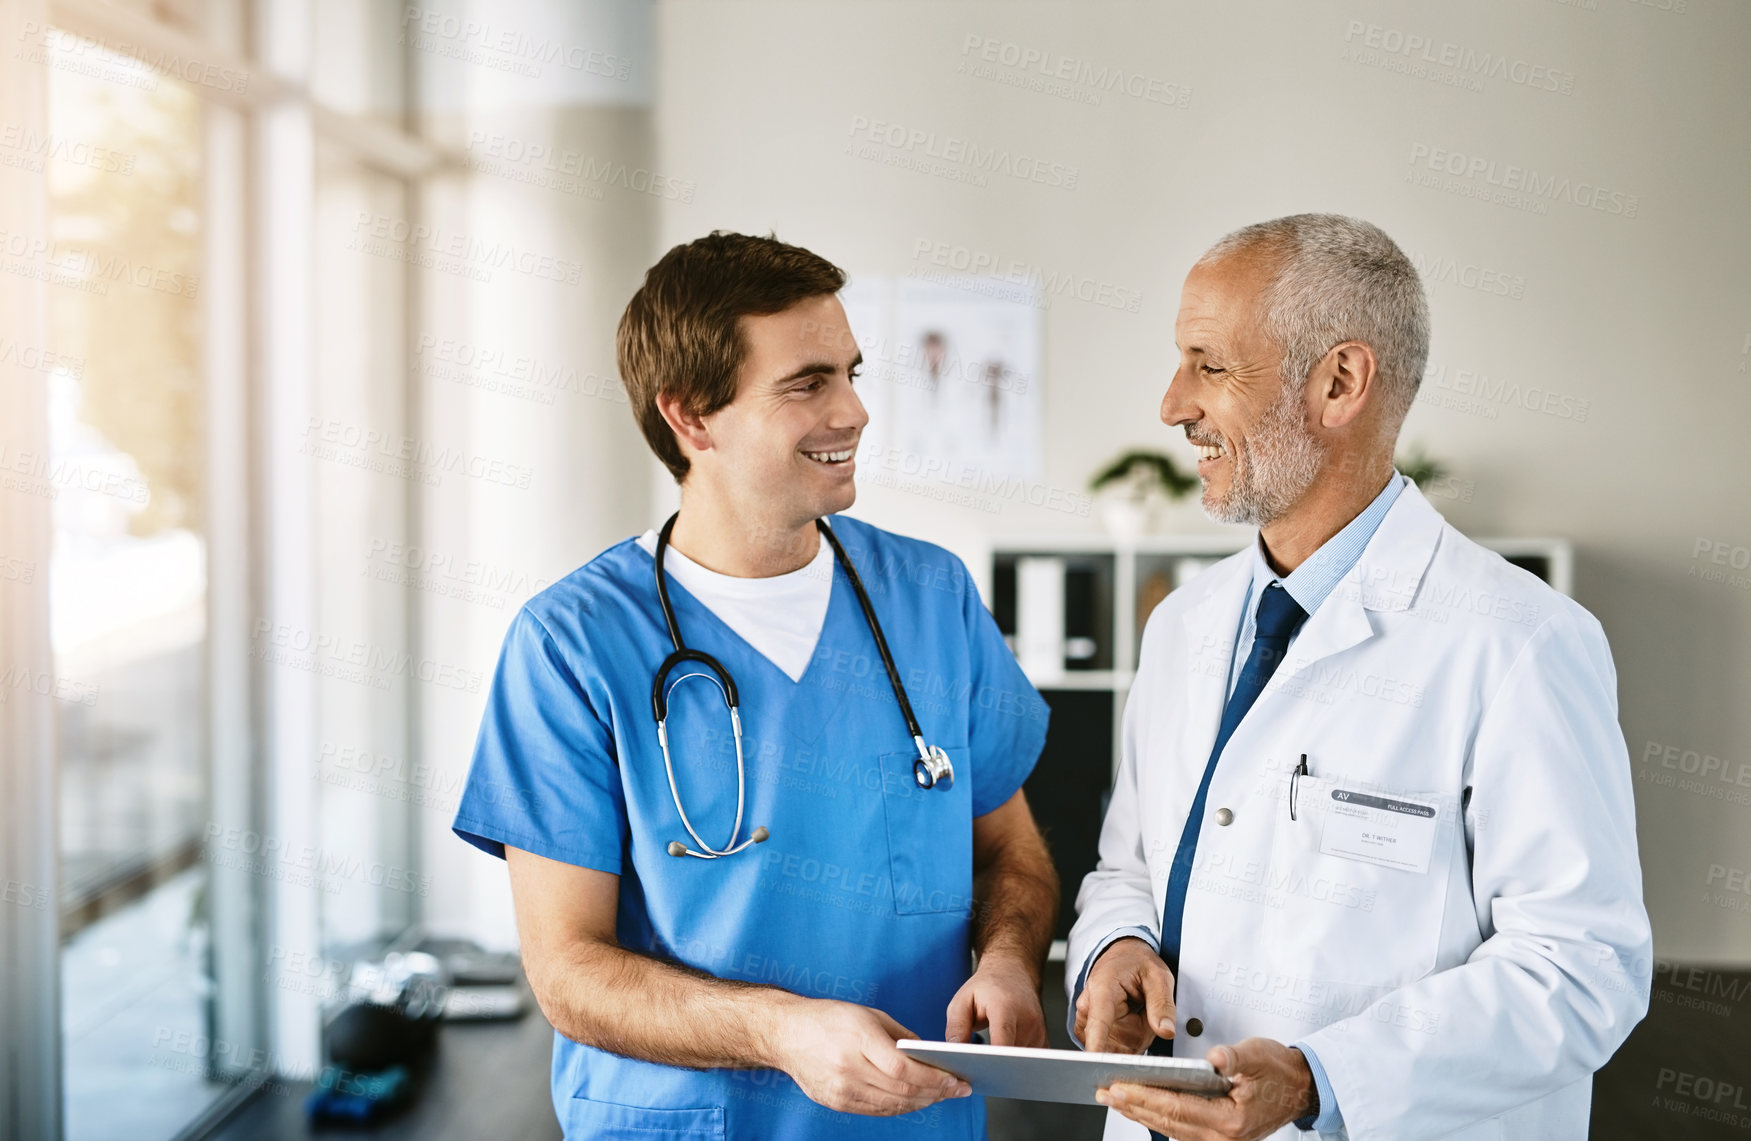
[(1257, 457), (787, 444)]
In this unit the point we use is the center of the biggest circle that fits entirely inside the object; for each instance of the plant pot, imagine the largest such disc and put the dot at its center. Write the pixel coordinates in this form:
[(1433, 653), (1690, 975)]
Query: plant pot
[(1126, 518)]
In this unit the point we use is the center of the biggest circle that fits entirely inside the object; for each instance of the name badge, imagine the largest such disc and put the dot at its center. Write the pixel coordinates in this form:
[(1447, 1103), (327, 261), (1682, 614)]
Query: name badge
[(1379, 830)]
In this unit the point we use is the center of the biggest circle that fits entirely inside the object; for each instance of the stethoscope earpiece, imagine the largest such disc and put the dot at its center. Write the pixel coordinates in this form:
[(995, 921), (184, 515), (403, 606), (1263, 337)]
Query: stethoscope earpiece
[(677, 848)]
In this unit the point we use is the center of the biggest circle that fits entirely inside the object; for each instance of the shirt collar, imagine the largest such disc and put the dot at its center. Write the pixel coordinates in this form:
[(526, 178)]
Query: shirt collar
[(1311, 583)]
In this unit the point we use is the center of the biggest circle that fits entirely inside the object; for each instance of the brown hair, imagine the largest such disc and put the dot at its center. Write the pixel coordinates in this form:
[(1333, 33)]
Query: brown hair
[(681, 332)]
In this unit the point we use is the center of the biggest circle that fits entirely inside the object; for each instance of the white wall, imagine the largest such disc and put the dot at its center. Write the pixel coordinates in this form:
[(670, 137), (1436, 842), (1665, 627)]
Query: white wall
[(1636, 317), (519, 366)]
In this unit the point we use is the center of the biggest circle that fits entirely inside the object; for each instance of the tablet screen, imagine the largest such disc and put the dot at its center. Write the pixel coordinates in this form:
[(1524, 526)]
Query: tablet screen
[(1069, 1076)]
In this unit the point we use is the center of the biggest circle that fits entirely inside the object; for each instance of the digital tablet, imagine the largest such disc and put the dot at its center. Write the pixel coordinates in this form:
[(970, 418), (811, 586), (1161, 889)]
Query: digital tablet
[(1069, 1076)]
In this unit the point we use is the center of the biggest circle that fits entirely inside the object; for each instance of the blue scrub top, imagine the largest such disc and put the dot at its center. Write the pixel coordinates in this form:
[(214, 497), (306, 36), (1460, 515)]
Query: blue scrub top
[(863, 893)]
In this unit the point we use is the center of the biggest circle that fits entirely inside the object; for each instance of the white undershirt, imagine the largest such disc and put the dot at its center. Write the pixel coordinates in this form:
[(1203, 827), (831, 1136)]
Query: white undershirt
[(780, 616)]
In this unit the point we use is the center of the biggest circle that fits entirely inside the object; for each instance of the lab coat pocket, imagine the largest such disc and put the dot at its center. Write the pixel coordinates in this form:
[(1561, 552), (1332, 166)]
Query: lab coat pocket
[(930, 836), (610, 1121), (1347, 919)]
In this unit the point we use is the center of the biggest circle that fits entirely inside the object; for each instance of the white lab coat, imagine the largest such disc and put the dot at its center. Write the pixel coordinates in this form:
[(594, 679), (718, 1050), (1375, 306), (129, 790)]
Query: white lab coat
[(1474, 1000)]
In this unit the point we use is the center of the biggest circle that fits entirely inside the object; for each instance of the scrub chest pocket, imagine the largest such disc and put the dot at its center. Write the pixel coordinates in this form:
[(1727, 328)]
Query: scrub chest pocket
[(930, 836)]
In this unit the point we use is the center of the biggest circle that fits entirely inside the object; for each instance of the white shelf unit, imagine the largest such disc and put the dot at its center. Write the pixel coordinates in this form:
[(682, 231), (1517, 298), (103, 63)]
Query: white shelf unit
[(1133, 562)]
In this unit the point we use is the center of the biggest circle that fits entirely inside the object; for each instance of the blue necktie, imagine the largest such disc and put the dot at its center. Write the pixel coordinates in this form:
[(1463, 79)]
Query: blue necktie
[(1279, 616)]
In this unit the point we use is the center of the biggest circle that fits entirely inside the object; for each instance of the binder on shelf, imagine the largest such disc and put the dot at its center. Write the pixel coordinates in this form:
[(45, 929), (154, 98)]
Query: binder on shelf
[(1039, 616)]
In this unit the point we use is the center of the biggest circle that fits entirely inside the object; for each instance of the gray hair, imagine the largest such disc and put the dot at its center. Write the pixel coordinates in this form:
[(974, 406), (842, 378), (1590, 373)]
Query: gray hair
[(1339, 279)]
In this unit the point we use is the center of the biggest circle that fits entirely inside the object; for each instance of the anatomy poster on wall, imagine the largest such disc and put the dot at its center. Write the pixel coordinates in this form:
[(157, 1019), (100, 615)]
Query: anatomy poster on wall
[(954, 373)]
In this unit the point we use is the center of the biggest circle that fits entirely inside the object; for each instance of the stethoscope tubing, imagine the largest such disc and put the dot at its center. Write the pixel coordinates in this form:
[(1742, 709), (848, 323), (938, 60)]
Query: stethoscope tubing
[(931, 768), (875, 628)]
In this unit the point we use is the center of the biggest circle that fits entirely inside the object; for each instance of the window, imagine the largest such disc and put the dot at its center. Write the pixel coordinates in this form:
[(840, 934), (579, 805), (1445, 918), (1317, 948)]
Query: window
[(126, 475)]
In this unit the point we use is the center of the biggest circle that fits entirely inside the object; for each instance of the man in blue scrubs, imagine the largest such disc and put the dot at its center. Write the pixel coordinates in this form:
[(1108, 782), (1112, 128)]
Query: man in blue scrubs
[(759, 995)]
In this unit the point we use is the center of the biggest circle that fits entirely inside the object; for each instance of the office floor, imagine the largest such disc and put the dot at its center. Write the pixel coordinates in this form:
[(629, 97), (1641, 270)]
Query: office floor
[(491, 1079)]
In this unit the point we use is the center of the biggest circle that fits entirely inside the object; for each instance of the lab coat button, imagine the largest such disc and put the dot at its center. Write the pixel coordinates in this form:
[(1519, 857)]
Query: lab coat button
[(1195, 1026), (1224, 817)]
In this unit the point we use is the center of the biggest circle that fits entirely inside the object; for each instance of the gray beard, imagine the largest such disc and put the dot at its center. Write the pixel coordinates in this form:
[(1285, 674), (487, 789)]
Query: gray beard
[(1274, 469)]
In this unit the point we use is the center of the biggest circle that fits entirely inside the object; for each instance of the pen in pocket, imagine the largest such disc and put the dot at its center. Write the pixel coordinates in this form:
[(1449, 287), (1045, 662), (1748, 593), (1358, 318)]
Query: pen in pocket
[(1299, 772)]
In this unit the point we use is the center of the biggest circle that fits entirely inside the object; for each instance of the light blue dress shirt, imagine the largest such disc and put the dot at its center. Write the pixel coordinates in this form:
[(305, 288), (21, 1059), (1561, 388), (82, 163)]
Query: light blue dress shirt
[(1309, 584)]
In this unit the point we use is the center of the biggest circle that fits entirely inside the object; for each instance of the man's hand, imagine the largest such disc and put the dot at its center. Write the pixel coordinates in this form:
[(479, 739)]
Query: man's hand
[(1127, 1000), (843, 1057), (1272, 1087), (1004, 996)]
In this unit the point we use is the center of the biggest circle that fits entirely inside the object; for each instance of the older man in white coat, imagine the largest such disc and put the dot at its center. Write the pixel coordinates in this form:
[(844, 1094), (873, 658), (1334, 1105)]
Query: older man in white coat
[(1371, 848)]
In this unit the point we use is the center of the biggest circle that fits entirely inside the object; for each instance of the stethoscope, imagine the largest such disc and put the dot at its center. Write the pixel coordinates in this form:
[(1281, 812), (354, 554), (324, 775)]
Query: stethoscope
[(932, 769)]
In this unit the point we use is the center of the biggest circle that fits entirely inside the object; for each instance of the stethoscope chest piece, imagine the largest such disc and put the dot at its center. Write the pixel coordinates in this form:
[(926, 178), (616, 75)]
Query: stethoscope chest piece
[(933, 769)]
